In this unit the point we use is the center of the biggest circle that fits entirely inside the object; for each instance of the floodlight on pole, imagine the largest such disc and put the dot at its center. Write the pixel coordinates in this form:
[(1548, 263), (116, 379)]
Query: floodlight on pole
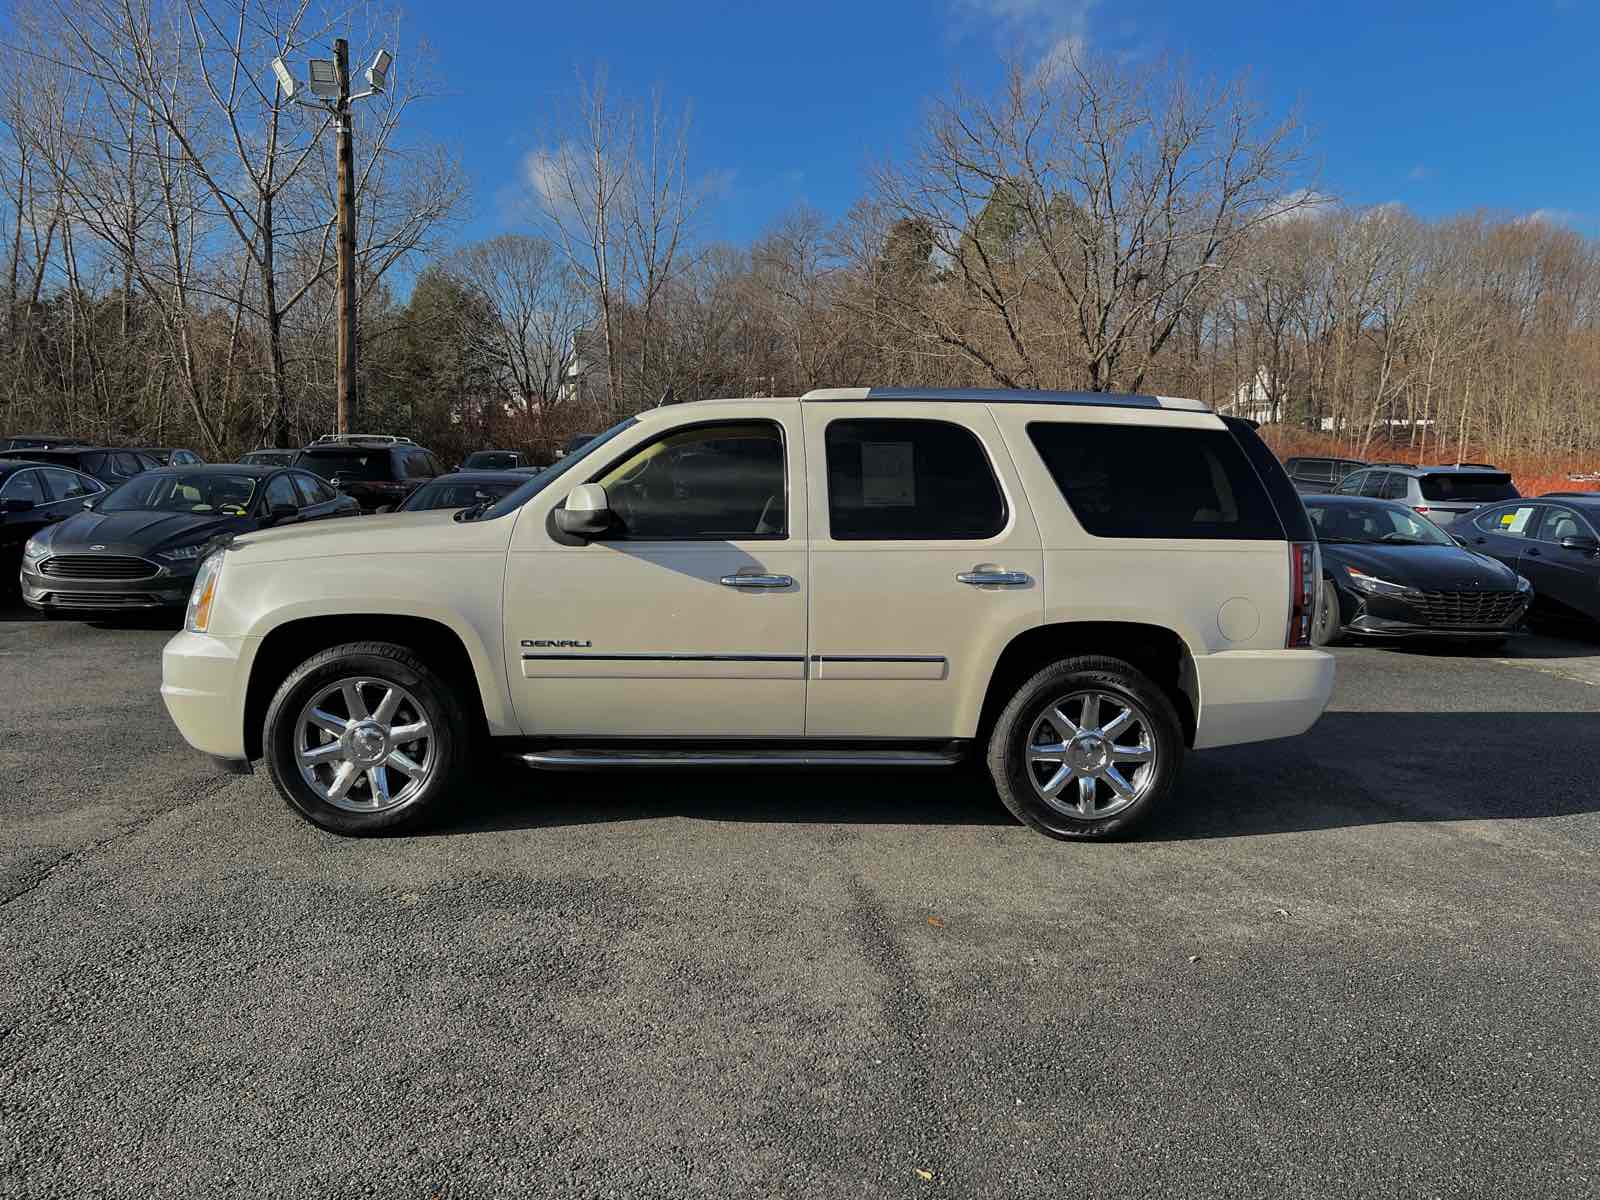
[(324, 78), (286, 79), (378, 72)]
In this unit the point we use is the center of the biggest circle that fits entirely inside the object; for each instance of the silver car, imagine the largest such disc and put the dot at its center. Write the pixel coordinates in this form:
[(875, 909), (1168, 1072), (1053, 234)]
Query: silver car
[(1439, 493)]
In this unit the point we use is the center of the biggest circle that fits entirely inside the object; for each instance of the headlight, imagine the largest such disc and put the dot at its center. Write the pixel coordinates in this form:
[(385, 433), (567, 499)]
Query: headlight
[(182, 553), (36, 549), (203, 595), (1374, 586), (1523, 585)]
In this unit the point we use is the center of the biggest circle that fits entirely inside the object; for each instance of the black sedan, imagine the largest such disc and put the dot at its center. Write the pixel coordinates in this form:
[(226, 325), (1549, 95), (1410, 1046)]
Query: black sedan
[(1553, 540), (107, 464), (32, 498), (463, 489), (138, 546), (1389, 573)]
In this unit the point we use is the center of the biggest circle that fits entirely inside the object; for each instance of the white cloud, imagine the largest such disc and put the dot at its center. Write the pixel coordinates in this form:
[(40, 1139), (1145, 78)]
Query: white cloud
[(1300, 205), (1418, 173), (1564, 218), (1028, 21)]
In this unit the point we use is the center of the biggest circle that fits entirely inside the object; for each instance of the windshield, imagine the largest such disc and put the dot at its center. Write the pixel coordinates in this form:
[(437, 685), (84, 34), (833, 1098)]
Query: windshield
[(459, 493), (1379, 523), (164, 491), (515, 500), (491, 460), (1476, 487), (369, 465)]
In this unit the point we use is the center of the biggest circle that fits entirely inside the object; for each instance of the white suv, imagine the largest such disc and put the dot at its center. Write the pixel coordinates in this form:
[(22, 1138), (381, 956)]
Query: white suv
[(1076, 587)]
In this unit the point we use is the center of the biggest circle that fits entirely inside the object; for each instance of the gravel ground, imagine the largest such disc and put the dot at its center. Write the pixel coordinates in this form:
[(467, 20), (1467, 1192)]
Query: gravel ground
[(1359, 963)]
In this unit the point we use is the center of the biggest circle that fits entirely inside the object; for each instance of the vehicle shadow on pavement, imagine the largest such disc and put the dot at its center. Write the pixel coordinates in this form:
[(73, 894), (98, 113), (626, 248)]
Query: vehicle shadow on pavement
[(1376, 768)]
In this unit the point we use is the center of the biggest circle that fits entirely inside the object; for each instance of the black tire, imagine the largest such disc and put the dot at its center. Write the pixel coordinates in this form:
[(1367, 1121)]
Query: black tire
[(1326, 631), (1007, 750), (382, 663)]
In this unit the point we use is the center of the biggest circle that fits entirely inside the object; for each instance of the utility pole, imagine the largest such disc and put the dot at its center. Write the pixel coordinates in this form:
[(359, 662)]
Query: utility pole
[(347, 245)]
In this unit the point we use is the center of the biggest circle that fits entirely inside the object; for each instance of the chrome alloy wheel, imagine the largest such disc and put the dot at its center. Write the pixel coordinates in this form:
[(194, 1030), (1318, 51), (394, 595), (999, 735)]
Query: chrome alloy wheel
[(364, 745), (1091, 755)]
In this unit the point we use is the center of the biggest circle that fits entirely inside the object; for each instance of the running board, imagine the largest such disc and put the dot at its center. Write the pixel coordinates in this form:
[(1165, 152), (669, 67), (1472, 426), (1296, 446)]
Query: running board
[(650, 760)]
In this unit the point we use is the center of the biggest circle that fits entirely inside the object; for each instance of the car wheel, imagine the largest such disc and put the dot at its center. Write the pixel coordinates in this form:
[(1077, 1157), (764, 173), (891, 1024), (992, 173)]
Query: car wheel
[(1326, 631), (363, 738), (1085, 749)]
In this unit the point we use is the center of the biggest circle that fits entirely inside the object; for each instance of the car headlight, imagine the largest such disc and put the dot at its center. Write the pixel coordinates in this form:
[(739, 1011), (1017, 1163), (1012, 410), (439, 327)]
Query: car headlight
[(203, 595), (1523, 584), (1374, 586), (182, 553), (36, 549)]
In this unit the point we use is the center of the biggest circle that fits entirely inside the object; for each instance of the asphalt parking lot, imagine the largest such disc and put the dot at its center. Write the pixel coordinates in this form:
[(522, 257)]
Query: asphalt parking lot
[(1359, 963)]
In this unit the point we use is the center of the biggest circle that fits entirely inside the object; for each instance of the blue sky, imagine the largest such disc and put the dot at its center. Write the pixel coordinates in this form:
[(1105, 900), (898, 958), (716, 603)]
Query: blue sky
[(1439, 106)]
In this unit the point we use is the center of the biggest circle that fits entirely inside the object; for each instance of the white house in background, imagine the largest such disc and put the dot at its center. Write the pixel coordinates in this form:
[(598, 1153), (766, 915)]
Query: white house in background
[(586, 380), (1252, 400)]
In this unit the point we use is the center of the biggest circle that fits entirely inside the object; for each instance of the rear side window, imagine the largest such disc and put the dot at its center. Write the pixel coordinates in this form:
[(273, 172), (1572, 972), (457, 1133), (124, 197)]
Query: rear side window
[(1137, 481), (1319, 469), (1397, 487), (1478, 487), (910, 480)]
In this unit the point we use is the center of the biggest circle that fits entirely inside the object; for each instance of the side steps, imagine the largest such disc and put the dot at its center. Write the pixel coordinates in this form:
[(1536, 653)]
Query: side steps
[(948, 754)]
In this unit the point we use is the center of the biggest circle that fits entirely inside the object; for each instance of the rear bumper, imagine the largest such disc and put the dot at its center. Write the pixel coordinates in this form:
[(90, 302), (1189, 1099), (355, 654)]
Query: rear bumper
[(202, 685), (1256, 695)]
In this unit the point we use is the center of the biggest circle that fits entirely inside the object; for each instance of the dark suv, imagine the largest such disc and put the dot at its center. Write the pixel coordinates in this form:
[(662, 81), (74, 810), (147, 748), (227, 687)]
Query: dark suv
[(379, 471), (1320, 474), (110, 466)]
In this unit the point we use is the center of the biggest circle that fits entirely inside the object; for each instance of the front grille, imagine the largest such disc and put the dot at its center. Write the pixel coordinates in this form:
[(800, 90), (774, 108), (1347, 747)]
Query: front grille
[(1466, 610), (104, 600), (97, 566)]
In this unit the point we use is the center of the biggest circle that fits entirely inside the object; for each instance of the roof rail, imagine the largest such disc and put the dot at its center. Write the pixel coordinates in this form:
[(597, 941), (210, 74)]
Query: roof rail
[(342, 439), (1481, 466), (1002, 396)]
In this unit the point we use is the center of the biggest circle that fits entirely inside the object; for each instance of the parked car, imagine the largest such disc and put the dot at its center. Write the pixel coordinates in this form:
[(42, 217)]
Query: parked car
[(35, 441), (173, 456), (378, 471), (137, 547), (270, 458), (1442, 494), (33, 497), (109, 465), (575, 443), (1318, 475), (495, 460), (462, 489), (1030, 578), (1390, 573), (1553, 540)]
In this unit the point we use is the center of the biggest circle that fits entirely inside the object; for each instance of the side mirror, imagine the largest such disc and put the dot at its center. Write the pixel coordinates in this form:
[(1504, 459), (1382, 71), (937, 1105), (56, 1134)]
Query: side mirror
[(1585, 545), (1460, 539), (587, 513), (92, 501), (16, 506)]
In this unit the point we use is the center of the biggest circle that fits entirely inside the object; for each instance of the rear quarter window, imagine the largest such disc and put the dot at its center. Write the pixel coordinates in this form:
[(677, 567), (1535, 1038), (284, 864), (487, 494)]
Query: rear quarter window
[(1139, 481)]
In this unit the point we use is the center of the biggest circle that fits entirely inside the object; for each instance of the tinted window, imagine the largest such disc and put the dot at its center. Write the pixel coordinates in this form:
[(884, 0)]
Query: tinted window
[(1477, 487), (1140, 481), (910, 480), (1351, 484), (1342, 521), (1291, 509), (280, 490), (1397, 488), (492, 460), (312, 489), (1516, 521), (1561, 523), (67, 485), (1376, 484), (350, 464), (1319, 469), (130, 464), (711, 481), (166, 491), (24, 485), (414, 464), (446, 494), (93, 463)]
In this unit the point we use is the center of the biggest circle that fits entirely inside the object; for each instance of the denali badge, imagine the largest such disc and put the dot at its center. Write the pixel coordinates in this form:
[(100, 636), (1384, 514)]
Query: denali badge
[(563, 643)]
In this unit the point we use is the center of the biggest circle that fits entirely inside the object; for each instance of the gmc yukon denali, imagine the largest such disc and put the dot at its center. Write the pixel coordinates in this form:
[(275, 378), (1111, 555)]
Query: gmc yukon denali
[(1073, 589)]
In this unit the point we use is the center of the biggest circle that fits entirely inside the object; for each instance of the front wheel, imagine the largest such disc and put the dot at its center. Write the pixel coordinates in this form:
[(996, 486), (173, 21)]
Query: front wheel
[(1326, 631), (363, 738), (1086, 749)]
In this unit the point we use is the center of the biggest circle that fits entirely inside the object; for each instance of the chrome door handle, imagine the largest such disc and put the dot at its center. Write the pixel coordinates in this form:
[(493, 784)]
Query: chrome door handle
[(996, 578), (756, 581)]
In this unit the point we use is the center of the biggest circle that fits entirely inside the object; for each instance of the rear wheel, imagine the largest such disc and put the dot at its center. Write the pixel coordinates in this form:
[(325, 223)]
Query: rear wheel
[(1085, 749), (363, 738)]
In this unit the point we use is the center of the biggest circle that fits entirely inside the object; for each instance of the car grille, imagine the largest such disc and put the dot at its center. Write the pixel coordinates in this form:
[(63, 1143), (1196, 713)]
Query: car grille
[(1451, 610), (104, 600), (97, 566)]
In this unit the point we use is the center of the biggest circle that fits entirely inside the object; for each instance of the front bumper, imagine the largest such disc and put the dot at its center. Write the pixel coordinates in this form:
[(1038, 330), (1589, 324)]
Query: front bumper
[(1396, 618), (1256, 695), (162, 590), (203, 681), (1378, 629)]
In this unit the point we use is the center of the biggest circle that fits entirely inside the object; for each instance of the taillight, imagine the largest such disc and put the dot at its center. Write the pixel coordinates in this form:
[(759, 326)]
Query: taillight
[(1303, 594), (1421, 508)]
